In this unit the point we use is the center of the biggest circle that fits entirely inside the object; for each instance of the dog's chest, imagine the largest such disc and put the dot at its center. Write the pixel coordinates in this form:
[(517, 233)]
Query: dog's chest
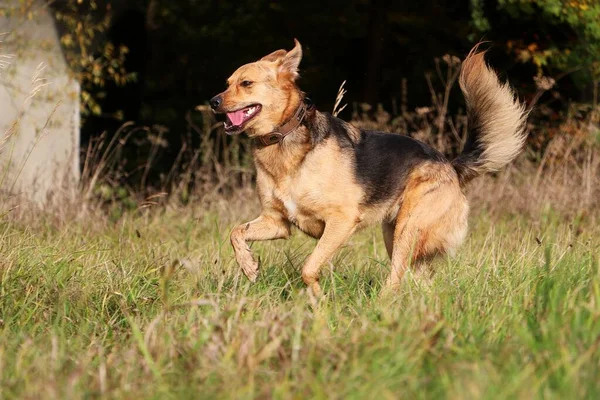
[(291, 208), (300, 208), (293, 201)]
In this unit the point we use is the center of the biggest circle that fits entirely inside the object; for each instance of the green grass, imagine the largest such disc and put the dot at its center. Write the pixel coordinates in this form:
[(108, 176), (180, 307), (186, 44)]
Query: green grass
[(155, 307)]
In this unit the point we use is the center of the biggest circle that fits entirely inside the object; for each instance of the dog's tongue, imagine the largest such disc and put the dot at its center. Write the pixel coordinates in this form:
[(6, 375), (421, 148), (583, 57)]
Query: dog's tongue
[(236, 117)]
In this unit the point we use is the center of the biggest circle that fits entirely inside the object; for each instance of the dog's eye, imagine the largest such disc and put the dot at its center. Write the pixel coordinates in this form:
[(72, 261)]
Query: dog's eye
[(246, 83)]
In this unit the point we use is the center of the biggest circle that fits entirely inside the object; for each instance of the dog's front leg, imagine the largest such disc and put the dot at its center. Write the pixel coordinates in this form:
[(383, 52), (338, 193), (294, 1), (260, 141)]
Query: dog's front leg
[(265, 227), (336, 233)]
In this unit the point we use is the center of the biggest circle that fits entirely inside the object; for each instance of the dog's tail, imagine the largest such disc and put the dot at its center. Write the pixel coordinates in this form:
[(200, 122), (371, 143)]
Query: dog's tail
[(496, 120)]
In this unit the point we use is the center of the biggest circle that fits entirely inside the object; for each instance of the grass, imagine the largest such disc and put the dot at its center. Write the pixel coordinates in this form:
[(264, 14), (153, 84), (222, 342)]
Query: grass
[(152, 304), (155, 307)]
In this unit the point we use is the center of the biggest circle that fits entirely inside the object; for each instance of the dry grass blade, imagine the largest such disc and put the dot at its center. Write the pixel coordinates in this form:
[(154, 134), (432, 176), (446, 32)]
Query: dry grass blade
[(340, 95), (5, 58), (5, 62)]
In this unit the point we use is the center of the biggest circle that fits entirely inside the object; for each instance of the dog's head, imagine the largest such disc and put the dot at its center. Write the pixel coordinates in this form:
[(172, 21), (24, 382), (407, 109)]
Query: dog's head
[(261, 95)]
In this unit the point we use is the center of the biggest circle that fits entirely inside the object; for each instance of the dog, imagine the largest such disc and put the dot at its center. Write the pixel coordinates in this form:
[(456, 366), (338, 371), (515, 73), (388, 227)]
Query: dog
[(331, 179)]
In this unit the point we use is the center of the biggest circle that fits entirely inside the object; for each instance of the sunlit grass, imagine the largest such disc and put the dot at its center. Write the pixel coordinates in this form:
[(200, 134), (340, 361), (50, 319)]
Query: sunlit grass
[(155, 307)]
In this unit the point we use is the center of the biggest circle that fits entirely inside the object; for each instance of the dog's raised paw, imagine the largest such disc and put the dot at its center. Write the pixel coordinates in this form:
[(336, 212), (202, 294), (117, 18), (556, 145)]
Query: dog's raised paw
[(250, 269)]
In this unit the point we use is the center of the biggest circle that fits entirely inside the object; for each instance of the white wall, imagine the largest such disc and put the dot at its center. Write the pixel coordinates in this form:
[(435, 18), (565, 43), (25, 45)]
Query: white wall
[(40, 160)]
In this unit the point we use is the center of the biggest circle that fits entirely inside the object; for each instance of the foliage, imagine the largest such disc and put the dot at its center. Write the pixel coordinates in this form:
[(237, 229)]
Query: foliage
[(581, 22), (83, 26), (94, 60)]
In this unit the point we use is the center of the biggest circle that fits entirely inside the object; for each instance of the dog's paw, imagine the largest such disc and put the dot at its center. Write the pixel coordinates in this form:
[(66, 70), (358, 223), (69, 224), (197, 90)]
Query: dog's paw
[(315, 290), (251, 270), (249, 266), (388, 292)]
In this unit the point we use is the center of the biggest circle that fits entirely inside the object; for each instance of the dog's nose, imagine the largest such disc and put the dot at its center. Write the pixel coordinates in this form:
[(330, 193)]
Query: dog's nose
[(216, 101)]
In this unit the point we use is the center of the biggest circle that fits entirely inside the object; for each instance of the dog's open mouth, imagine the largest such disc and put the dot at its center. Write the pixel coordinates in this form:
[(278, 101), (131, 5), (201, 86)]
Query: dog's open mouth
[(236, 120)]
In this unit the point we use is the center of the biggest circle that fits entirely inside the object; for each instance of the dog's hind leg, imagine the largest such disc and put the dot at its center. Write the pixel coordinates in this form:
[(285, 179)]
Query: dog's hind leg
[(265, 227), (337, 231), (387, 228), (432, 220)]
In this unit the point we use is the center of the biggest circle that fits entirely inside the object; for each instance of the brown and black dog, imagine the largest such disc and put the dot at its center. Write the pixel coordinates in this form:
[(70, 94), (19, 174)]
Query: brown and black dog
[(330, 179)]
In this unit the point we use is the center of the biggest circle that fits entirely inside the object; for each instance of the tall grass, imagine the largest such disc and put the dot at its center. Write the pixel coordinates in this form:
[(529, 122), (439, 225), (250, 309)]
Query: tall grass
[(155, 307), (132, 290)]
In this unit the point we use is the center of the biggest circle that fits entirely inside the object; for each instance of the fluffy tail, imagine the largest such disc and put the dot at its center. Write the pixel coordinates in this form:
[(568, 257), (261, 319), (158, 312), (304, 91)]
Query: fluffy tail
[(496, 120)]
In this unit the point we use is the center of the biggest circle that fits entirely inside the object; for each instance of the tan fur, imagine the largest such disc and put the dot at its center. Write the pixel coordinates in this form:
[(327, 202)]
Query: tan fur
[(432, 219), (274, 77), (499, 115), (315, 188), (315, 191)]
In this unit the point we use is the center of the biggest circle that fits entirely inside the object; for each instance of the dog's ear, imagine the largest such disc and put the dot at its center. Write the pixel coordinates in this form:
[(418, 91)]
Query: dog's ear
[(288, 61), (291, 60), (274, 56)]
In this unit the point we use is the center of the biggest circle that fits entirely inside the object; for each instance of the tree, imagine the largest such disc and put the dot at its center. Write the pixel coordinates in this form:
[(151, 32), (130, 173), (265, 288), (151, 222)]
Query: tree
[(82, 26), (569, 39)]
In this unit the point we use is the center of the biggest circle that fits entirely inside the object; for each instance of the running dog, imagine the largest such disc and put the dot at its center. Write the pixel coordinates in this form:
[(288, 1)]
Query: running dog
[(330, 179)]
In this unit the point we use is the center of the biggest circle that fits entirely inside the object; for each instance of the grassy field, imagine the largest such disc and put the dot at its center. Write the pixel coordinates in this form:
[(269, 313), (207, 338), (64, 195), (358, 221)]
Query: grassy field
[(155, 307)]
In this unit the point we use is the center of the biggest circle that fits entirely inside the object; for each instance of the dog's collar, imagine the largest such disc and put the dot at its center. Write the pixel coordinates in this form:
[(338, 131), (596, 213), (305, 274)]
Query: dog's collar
[(279, 134)]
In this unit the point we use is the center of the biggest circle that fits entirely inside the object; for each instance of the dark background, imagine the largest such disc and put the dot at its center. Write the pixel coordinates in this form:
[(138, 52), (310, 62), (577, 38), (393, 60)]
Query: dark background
[(183, 51)]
